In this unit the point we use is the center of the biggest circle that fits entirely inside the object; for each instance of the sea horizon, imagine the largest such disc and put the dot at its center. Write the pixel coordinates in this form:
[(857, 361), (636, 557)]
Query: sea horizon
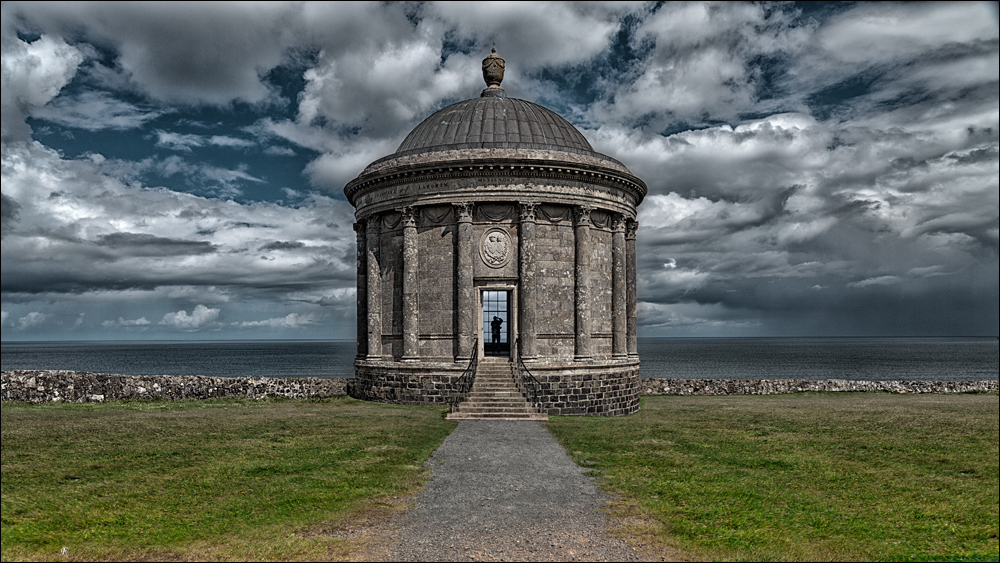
[(881, 358)]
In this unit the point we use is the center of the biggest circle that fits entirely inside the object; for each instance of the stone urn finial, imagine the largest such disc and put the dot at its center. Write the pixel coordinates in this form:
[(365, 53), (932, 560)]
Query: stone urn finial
[(493, 66)]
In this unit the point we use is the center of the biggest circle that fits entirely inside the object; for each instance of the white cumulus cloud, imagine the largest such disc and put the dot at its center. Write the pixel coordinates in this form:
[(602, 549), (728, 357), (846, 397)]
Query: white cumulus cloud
[(31, 320), (291, 320), (199, 317), (141, 321), (33, 73)]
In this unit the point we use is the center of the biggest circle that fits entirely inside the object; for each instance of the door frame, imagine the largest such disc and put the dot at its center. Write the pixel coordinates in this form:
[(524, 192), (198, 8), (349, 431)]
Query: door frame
[(512, 313)]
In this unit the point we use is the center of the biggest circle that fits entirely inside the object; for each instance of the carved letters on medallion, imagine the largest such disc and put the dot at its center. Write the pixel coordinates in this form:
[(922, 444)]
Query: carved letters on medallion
[(495, 248)]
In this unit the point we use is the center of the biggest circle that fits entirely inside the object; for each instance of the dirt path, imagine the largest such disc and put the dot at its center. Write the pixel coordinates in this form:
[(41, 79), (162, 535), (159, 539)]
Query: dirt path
[(502, 490)]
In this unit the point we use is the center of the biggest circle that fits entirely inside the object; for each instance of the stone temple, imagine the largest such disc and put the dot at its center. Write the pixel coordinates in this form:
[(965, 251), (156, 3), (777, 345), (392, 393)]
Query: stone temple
[(496, 266)]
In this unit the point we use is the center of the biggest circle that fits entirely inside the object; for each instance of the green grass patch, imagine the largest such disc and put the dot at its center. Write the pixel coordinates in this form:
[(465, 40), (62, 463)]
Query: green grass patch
[(218, 479), (838, 476)]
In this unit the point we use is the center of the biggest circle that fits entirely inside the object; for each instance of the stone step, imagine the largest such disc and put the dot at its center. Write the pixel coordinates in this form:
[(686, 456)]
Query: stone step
[(476, 407), (485, 411), (498, 416), (498, 401), (495, 396)]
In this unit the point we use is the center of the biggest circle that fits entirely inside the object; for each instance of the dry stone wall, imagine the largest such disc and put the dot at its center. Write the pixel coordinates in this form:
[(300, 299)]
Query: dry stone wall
[(650, 386), (84, 387), (591, 396)]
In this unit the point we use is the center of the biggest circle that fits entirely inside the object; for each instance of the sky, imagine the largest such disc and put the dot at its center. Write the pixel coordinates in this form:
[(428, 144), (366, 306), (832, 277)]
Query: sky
[(176, 170)]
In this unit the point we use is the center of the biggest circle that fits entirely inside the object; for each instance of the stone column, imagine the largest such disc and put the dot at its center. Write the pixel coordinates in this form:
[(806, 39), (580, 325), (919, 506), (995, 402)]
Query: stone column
[(464, 290), (374, 279), (362, 294), (581, 227), (411, 289), (526, 297), (619, 298), (630, 281)]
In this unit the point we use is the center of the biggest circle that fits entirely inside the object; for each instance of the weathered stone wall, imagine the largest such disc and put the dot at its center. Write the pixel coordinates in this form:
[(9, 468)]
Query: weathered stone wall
[(436, 279), (601, 269), (596, 391), (554, 291), (391, 262), (650, 386), (397, 382), (84, 387)]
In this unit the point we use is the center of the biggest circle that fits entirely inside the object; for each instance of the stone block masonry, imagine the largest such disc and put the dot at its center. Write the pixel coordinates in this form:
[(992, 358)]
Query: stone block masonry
[(566, 397)]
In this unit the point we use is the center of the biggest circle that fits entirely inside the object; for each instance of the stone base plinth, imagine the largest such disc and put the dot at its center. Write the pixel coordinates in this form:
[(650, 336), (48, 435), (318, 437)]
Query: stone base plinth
[(602, 388), (406, 383)]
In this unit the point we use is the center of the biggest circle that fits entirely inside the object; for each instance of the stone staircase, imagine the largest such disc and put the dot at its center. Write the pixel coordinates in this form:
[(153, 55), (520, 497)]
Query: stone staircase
[(494, 395)]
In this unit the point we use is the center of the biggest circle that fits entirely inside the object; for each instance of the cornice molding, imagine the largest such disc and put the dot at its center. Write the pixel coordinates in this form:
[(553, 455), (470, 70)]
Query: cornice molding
[(496, 168)]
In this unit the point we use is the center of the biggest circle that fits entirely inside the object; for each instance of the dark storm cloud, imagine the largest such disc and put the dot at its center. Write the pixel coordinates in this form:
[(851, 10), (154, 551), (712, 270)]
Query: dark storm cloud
[(8, 213), (283, 245), (141, 244)]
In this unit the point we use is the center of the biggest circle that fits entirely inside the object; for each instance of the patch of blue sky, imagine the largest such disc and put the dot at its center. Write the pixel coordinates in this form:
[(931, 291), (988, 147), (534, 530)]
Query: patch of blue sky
[(578, 86), (168, 146)]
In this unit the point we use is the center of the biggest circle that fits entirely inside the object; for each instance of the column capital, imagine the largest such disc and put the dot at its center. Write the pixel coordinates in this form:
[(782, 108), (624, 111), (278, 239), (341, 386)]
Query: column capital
[(408, 215), (618, 223), (464, 211), (359, 226), (528, 212), (581, 215), (631, 226)]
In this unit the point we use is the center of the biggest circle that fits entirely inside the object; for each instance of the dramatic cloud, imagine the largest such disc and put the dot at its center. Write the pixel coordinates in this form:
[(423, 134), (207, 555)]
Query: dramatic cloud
[(33, 73), (813, 168)]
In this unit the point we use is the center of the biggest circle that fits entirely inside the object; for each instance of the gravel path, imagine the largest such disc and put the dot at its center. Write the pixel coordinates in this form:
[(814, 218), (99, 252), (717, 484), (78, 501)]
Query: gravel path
[(503, 490)]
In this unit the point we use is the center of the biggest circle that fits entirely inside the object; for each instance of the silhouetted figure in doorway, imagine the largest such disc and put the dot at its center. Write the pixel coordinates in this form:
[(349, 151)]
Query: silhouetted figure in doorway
[(495, 325)]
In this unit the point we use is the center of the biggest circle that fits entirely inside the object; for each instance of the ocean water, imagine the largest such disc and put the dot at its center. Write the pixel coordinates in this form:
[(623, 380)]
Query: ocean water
[(872, 359), (252, 358), (878, 359)]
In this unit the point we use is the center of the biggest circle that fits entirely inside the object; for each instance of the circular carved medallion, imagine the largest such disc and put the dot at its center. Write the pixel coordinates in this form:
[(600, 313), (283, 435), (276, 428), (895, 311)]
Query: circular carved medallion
[(495, 248)]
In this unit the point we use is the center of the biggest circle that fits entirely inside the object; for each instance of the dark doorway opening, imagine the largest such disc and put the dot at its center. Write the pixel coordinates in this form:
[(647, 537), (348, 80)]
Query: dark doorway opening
[(496, 323)]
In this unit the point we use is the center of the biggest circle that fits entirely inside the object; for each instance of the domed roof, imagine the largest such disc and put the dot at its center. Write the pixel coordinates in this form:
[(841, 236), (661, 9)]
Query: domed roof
[(494, 122)]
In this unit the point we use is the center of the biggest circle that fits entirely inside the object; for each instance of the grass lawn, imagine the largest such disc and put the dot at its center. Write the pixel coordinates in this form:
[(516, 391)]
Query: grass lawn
[(223, 479), (838, 476)]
